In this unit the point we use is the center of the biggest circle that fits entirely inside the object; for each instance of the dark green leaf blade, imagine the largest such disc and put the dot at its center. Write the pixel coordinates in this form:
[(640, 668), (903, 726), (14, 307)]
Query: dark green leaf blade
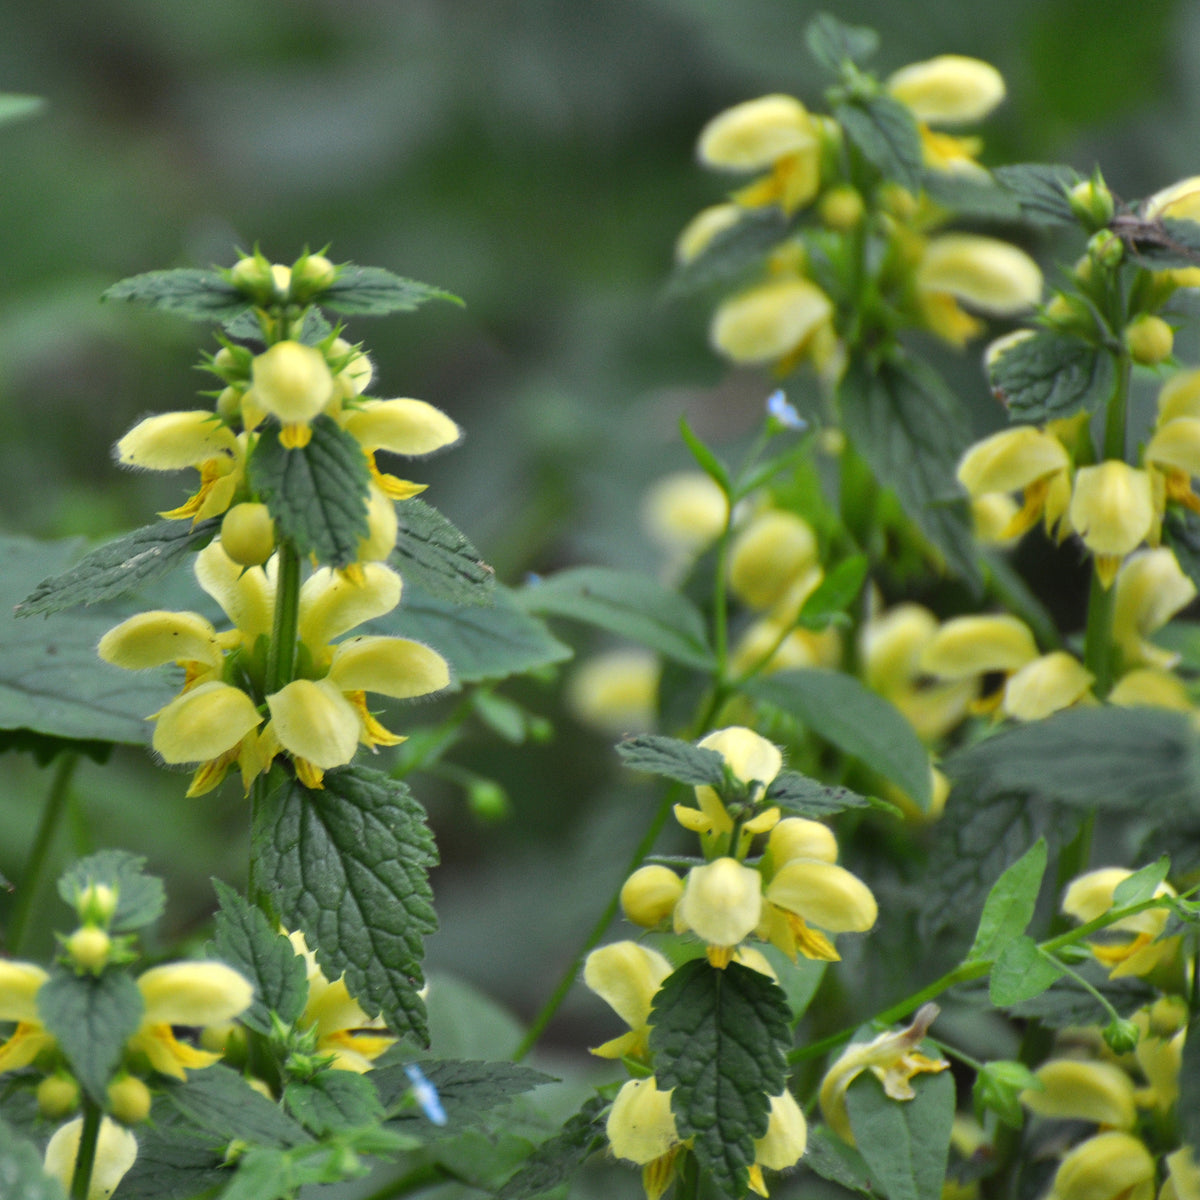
[(219, 1101), (196, 294), (374, 292), (1188, 1107), (348, 864), (862, 724), (719, 1039), (140, 898), (732, 252), (1041, 191), (333, 1101), (884, 131), (673, 759), (467, 1089), (119, 567), (1010, 904), (628, 604), (828, 1156), (245, 940), (1066, 1002), (432, 553), (1021, 972), (91, 1018), (557, 1159), (316, 493), (1050, 375), (980, 199), (800, 796), (834, 594), (833, 43), (904, 1142)]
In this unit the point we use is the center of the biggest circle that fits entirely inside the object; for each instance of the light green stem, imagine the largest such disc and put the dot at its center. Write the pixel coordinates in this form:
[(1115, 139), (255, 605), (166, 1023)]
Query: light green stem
[(85, 1160), (281, 656), (31, 880)]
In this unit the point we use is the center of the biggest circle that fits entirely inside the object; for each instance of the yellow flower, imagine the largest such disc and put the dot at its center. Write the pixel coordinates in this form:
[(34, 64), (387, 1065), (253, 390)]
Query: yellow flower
[(116, 1152), (1149, 687), (1151, 588), (975, 646), (641, 1129), (1109, 1166), (616, 692), (892, 1058), (626, 976), (19, 984), (699, 232), (1174, 454), (784, 1143), (649, 895), (685, 512), (410, 427), (1113, 511), (1180, 201), (1133, 945), (1083, 1091), (721, 903), (948, 90), (776, 550), (1183, 1179), (1023, 460), (1046, 685), (774, 322), (293, 383)]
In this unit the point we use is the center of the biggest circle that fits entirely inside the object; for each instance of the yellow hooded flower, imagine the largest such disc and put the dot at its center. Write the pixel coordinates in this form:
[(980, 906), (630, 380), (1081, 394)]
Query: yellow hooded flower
[(1083, 1091), (707, 224), (1173, 454), (19, 984), (626, 976), (721, 903), (774, 552), (616, 692), (974, 646), (685, 512), (1109, 1166), (1113, 511), (1046, 685), (1133, 945), (410, 427), (774, 322), (293, 383), (784, 1143), (1150, 687), (1180, 201), (116, 1152), (1026, 460), (649, 895), (641, 1129), (1151, 588)]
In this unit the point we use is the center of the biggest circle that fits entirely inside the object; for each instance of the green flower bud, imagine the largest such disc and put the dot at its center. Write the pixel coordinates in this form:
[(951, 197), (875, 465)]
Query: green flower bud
[(57, 1096), (129, 1100), (1150, 339), (1106, 249), (488, 800), (252, 275), (89, 948), (248, 534), (311, 275), (1092, 203), (1121, 1036), (96, 904)]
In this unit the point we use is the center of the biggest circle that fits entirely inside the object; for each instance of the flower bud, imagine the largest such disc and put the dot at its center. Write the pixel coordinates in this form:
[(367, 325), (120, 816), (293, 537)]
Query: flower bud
[(1121, 1036), (89, 948), (311, 275), (488, 800), (129, 1100), (842, 208), (253, 276), (721, 902), (1106, 249), (248, 534), (57, 1096), (96, 904), (1149, 339), (650, 894), (1092, 203)]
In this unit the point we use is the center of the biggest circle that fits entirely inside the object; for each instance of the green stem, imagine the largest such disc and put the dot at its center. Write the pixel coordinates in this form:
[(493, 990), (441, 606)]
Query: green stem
[(598, 930), (85, 1160), (281, 655), (31, 880)]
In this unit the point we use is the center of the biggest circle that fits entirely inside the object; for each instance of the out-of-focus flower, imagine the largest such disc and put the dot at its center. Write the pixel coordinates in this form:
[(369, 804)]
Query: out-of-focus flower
[(1023, 460), (1083, 1091), (773, 322), (116, 1152), (1150, 589), (1113, 511), (1046, 685), (616, 692), (1105, 1167), (1133, 945)]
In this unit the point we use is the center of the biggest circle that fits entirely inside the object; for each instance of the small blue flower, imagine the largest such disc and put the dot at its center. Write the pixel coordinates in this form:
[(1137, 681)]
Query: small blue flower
[(783, 412), (425, 1094)]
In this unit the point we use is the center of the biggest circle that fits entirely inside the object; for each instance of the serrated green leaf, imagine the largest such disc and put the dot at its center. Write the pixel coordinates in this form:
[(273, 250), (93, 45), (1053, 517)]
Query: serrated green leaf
[(196, 294), (175, 1161), (626, 603), (432, 553), (1067, 1003), (905, 1143), (1051, 375), (557, 1159), (732, 252), (981, 199), (348, 864), (673, 759), (719, 1039), (884, 132), (245, 940), (1020, 972), (1181, 531), (16, 107), (480, 642), (140, 898), (838, 708), (467, 1089), (833, 43), (374, 292), (21, 1174), (1141, 885), (52, 682), (834, 594), (91, 1018), (317, 494), (706, 460), (333, 1101), (800, 796), (1010, 904), (911, 431), (119, 567), (1041, 191), (219, 1101), (828, 1156), (1188, 1106)]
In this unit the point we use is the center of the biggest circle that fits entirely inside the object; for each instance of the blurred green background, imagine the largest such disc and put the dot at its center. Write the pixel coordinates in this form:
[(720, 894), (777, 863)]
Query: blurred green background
[(535, 157)]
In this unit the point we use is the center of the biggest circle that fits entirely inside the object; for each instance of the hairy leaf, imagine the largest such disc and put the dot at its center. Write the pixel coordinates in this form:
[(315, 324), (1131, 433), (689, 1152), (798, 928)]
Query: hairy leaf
[(828, 1156), (432, 553), (91, 1018), (841, 710), (884, 131), (21, 1174), (119, 567), (1010, 903), (968, 196), (800, 796), (317, 493), (719, 1039), (1051, 375), (140, 898), (557, 1159), (333, 1101), (1021, 972), (196, 294), (245, 940), (374, 292), (628, 604), (348, 864), (905, 1142), (833, 43), (673, 759), (467, 1089), (219, 1101), (1041, 191)]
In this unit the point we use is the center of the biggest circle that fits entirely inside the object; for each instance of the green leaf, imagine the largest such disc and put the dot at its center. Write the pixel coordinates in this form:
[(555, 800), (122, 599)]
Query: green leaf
[(858, 722), (333, 1101), (51, 680), (884, 131), (980, 199), (1188, 1107), (834, 594), (800, 796), (905, 1143), (15, 107), (196, 294), (480, 642), (317, 493), (348, 864), (732, 252), (373, 292), (119, 567), (828, 1156), (21, 1174), (140, 898), (1051, 375), (1141, 885), (175, 1161), (467, 1089), (432, 553), (719, 1039), (1010, 904), (91, 1018), (998, 1087), (1041, 191), (1164, 244), (626, 603), (833, 43), (911, 430), (673, 759), (706, 460), (245, 940), (1066, 1003), (557, 1159), (1020, 972), (1181, 531), (219, 1101)]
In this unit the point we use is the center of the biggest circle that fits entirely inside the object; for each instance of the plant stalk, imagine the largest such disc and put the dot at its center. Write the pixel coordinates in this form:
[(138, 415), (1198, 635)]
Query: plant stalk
[(85, 1160)]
